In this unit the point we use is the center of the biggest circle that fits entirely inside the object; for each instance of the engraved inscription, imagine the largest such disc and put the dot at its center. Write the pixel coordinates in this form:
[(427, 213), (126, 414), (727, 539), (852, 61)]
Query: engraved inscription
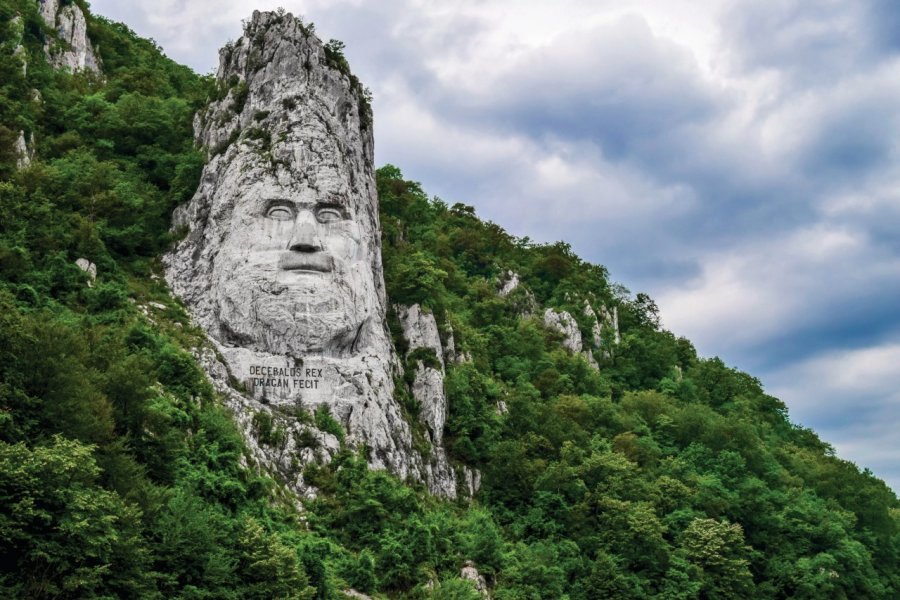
[(306, 378)]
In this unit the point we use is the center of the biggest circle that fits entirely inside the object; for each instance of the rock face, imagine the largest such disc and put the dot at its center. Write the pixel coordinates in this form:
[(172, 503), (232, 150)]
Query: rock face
[(470, 572), (281, 263), (420, 330), (509, 282), (451, 353), (612, 318), (16, 31), (421, 333), (510, 286), (565, 324), (73, 49), (89, 268), (24, 151)]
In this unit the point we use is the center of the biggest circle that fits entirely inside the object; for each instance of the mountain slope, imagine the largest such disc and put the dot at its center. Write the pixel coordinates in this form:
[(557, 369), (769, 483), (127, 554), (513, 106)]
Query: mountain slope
[(627, 468)]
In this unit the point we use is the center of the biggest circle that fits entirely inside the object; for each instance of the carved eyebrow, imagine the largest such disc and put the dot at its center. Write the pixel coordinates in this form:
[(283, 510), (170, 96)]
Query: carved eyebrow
[(270, 202)]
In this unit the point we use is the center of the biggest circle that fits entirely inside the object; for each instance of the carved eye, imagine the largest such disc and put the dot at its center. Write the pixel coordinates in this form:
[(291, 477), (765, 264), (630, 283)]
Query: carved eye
[(329, 215), (280, 213)]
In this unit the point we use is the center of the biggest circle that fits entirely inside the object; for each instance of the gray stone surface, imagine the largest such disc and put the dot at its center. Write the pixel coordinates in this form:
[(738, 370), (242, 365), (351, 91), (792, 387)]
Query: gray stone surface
[(470, 572), (428, 390), (509, 282), (564, 323), (610, 318), (596, 327), (420, 331), (471, 479), (48, 9), (450, 346), (24, 151), (74, 49), (280, 262), (89, 268), (510, 286), (16, 31)]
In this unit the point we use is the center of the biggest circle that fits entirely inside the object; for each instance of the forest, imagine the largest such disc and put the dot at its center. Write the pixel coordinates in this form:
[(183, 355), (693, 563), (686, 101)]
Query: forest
[(661, 475)]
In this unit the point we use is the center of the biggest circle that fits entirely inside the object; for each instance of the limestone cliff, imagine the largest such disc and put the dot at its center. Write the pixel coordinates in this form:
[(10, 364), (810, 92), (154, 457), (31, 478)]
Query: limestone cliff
[(72, 48), (281, 259), (421, 333), (565, 324)]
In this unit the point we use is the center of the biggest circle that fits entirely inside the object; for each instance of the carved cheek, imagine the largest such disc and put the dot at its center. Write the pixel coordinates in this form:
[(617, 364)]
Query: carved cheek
[(274, 234), (338, 247), (343, 243)]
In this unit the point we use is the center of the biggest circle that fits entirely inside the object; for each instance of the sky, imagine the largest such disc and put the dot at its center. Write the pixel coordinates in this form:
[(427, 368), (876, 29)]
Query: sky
[(735, 159)]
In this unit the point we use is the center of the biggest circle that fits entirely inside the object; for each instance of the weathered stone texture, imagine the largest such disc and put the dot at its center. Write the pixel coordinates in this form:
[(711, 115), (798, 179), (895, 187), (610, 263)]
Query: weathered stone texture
[(509, 283), (74, 49), (564, 323), (470, 572), (89, 268), (420, 331), (24, 151), (280, 262)]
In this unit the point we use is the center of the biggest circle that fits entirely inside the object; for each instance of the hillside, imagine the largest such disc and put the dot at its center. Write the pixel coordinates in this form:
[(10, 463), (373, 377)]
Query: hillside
[(623, 466)]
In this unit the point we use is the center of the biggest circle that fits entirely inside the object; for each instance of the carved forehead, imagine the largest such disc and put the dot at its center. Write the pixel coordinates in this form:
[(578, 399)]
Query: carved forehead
[(250, 193)]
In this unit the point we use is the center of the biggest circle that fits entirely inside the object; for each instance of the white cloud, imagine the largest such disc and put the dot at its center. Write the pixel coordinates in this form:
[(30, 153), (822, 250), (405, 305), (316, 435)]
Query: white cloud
[(852, 399), (755, 292)]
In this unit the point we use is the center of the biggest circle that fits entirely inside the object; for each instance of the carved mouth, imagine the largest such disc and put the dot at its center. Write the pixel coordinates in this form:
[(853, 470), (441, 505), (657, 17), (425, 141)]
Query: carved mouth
[(296, 261)]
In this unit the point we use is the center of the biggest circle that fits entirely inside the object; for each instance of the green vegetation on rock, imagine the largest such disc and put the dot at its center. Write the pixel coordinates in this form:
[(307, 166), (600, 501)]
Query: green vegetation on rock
[(660, 475)]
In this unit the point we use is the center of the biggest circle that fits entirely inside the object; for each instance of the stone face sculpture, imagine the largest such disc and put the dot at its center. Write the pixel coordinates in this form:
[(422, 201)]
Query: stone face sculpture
[(288, 255), (281, 262), (293, 273)]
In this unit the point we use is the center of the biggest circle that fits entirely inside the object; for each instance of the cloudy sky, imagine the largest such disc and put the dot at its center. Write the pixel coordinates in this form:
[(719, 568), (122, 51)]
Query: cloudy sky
[(736, 159)]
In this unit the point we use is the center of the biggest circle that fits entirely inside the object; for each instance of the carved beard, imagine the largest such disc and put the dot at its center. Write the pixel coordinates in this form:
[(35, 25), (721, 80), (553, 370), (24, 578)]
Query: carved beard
[(313, 315)]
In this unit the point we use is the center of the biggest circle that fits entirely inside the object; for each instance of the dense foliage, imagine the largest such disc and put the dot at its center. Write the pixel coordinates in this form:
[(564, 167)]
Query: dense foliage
[(662, 475)]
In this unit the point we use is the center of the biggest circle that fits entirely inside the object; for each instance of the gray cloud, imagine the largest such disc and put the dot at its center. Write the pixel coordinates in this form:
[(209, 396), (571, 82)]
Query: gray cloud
[(853, 398)]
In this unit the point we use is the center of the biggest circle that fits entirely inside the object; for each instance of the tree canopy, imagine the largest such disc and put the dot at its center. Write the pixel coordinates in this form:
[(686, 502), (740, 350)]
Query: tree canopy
[(661, 474)]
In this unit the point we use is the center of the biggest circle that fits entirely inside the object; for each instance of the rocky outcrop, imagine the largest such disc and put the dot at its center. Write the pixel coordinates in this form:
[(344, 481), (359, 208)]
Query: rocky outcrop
[(281, 262), (420, 330), (72, 49), (510, 286), (24, 150), (89, 268), (16, 30), (596, 326), (421, 333), (471, 480), (451, 353), (611, 319), (509, 283), (428, 390), (49, 9), (565, 324), (470, 572), (282, 438)]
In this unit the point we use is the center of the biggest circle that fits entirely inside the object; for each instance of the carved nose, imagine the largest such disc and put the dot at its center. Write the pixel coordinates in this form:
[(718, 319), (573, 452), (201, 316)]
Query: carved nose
[(304, 237)]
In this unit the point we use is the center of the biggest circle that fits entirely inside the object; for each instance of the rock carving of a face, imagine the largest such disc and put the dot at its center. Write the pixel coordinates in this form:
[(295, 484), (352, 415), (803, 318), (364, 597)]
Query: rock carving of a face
[(283, 254), (293, 272)]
